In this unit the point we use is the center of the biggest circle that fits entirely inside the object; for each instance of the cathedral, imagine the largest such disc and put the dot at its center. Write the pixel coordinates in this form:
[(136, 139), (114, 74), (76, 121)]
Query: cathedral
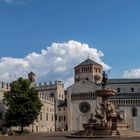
[(67, 110), (81, 99)]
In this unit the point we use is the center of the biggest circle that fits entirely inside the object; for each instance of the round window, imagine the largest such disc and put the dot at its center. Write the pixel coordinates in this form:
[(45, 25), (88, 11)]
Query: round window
[(84, 107)]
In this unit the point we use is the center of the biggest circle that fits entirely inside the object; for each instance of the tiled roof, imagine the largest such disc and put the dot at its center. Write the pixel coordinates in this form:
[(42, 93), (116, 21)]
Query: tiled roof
[(126, 96), (124, 81), (83, 86), (88, 62)]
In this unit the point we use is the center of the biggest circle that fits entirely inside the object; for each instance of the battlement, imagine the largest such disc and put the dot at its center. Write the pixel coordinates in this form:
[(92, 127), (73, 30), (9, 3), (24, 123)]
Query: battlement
[(4, 86), (49, 84)]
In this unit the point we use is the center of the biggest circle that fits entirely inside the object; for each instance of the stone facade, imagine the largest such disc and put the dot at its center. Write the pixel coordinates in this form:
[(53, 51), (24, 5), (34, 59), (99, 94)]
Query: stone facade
[(82, 91), (62, 117), (51, 96), (46, 119), (128, 100), (3, 88), (82, 101), (81, 95)]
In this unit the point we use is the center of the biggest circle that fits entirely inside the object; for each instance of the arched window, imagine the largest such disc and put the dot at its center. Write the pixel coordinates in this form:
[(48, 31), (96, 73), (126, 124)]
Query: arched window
[(134, 112)]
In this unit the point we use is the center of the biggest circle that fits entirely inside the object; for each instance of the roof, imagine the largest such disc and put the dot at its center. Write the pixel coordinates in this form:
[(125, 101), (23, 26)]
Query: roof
[(64, 104), (83, 86), (124, 81), (126, 96), (31, 73), (88, 62)]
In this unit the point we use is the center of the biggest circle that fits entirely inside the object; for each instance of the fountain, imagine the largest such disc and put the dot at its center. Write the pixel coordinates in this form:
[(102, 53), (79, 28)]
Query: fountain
[(108, 122)]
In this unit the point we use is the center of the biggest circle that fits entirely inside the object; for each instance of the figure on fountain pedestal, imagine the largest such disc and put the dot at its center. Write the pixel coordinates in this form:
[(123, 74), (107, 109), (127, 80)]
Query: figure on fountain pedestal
[(91, 120), (104, 79)]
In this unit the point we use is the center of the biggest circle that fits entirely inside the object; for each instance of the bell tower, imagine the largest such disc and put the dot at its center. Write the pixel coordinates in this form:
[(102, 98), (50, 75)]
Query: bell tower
[(32, 77), (88, 70)]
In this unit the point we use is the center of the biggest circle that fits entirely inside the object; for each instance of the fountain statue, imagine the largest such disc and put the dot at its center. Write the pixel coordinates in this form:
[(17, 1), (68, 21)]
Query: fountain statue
[(107, 120), (104, 80)]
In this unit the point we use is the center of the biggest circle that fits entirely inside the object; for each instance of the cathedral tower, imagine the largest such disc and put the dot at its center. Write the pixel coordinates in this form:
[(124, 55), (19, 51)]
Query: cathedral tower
[(88, 70)]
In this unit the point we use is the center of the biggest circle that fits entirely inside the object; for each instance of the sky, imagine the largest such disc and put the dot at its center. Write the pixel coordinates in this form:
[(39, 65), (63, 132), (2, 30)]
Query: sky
[(50, 37)]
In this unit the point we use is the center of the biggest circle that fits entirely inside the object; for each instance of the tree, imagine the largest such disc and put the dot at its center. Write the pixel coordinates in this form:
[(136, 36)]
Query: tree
[(23, 104)]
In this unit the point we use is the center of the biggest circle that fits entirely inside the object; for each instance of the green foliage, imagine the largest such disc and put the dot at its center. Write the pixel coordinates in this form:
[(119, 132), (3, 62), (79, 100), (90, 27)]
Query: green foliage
[(23, 104)]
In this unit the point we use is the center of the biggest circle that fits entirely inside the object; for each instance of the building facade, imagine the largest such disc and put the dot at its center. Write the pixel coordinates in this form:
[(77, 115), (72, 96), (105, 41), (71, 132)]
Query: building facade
[(81, 99), (3, 88), (51, 96), (127, 100)]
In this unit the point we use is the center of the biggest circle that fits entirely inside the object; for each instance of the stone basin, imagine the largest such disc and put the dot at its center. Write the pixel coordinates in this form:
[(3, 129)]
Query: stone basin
[(105, 92), (95, 126)]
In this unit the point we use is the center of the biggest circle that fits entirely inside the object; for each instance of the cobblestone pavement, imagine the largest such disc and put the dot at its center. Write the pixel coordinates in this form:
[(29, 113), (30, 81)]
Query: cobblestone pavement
[(59, 136)]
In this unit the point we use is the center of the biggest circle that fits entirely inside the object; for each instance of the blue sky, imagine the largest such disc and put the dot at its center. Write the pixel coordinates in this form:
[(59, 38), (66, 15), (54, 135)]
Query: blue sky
[(111, 26)]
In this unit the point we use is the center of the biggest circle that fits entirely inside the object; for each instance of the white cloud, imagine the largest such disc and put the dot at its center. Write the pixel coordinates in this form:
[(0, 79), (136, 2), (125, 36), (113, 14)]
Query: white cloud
[(69, 81), (56, 62), (132, 73)]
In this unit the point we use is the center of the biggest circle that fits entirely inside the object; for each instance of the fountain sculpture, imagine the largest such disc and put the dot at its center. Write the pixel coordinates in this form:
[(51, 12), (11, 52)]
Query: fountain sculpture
[(107, 120)]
